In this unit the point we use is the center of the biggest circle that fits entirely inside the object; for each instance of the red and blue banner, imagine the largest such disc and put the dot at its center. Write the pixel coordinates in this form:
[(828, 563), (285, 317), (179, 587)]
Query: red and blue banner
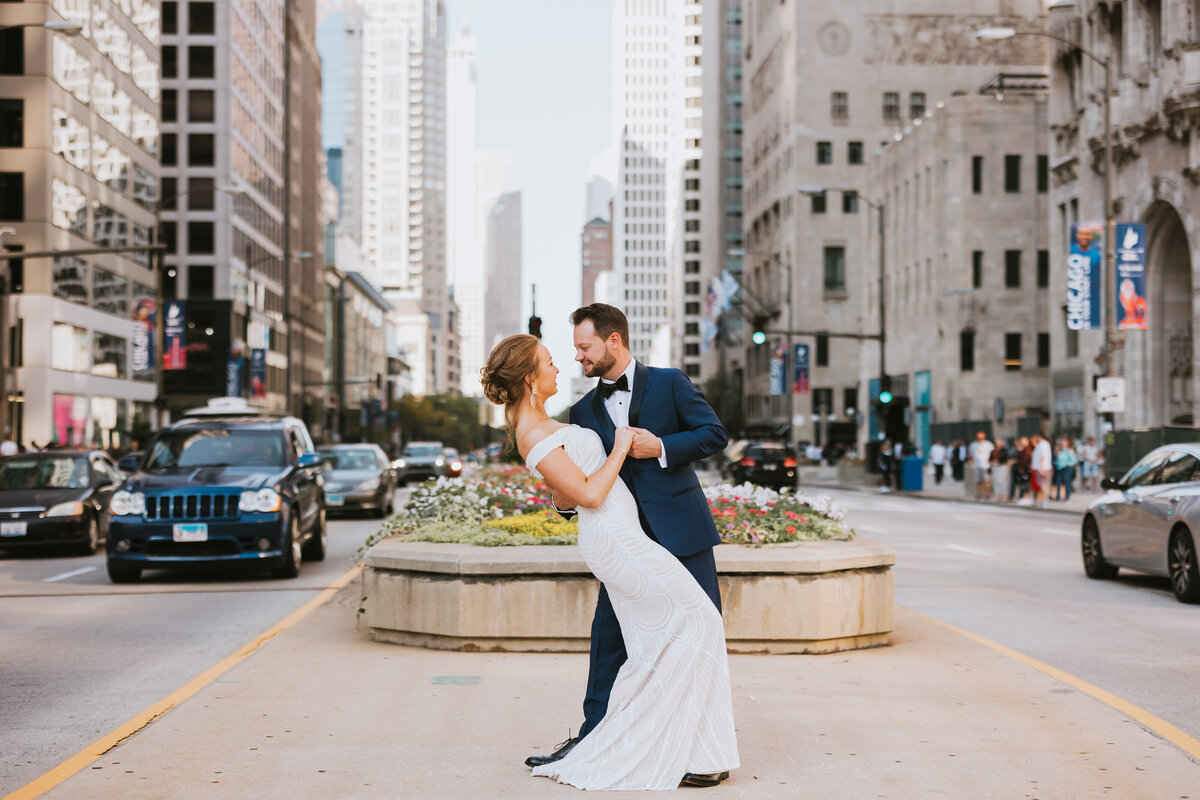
[(1131, 276), (142, 355), (800, 375), (1084, 260), (258, 374), (174, 333)]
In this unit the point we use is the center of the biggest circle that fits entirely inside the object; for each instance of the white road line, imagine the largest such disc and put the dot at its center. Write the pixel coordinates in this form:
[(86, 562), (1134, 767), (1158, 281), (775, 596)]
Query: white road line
[(970, 550), (70, 574)]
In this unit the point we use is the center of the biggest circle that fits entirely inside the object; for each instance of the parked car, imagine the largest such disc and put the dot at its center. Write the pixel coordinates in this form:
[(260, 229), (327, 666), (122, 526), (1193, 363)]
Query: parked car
[(223, 487), (56, 497), (454, 463), (420, 461), (1147, 521), (358, 477), (762, 463)]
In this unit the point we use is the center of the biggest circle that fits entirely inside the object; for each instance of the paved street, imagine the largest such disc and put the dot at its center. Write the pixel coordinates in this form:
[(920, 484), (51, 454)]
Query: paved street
[(81, 655)]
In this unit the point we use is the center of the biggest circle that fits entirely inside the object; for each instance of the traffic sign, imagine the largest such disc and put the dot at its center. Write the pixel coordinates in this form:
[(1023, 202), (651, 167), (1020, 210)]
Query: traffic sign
[(1110, 395)]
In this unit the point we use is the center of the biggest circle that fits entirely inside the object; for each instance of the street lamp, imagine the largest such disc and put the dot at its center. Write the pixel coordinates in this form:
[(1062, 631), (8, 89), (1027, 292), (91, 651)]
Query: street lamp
[(738, 253), (1110, 322), (67, 27)]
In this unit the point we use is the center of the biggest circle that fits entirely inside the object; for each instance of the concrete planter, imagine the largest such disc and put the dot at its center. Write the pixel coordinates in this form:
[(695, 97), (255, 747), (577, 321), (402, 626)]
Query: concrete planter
[(810, 597)]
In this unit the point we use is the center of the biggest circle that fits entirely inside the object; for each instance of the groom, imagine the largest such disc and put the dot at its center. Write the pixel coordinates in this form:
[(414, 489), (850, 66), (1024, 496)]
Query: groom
[(675, 427)]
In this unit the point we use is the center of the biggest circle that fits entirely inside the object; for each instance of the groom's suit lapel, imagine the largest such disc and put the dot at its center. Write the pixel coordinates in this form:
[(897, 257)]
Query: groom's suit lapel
[(604, 423), (641, 375)]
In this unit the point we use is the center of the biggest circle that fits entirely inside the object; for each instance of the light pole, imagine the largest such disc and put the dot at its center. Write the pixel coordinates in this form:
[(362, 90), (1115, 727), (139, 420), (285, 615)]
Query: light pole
[(1110, 313), (737, 252)]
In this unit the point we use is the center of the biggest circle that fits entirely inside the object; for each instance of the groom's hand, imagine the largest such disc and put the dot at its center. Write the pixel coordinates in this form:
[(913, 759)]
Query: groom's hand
[(645, 444)]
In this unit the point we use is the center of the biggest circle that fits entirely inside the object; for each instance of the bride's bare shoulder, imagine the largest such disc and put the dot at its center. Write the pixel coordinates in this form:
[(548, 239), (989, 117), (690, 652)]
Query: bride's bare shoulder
[(527, 438)]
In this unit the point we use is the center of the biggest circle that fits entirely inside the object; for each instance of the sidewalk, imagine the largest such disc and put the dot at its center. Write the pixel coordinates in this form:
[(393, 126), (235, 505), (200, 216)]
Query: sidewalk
[(949, 490), (321, 711)]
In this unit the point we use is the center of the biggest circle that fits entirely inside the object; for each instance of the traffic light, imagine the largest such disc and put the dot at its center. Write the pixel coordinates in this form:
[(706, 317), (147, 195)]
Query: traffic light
[(760, 330), (535, 326), (885, 390)]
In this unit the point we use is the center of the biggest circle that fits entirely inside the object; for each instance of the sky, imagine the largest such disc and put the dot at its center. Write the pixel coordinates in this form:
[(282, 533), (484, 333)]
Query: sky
[(545, 96)]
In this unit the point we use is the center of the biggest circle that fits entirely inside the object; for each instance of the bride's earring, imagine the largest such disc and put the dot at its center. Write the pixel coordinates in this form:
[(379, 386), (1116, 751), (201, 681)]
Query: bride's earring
[(533, 398)]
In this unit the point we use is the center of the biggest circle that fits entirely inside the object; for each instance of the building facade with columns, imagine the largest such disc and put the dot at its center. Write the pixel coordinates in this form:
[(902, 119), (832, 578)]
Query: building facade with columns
[(1155, 107)]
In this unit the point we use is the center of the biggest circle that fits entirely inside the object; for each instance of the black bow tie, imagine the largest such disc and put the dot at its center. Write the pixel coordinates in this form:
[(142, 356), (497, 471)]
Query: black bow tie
[(619, 385)]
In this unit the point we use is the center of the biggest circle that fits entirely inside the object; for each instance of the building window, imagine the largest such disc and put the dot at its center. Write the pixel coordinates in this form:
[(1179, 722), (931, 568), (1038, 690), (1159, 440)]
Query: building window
[(839, 105), (976, 269), (201, 18), (201, 62), (1043, 349), (850, 400), (1012, 269), (200, 194), (201, 149), (691, 267), (1043, 275), (200, 237), (977, 174), (70, 276), (110, 292), (916, 105), (824, 152), (822, 350), (1012, 174), (170, 105), (692, 184), (966, 351), (891, 105), (200, 281), (1043, 174), (12, 122), (1072, 343), (170, 17), (691, 287), (12, 51), (835, 269), (69, 348), (691, 309), (108, 356), (854, 153), (170, 149), (1012, 352), (691, 349), (691, 328), (170, 61), (201, 106), (849, 202), (12, 196), (818, 203)]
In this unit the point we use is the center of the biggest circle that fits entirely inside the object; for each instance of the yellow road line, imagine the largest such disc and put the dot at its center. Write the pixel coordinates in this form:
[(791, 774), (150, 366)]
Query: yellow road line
[(1154, 724), (87, 755)]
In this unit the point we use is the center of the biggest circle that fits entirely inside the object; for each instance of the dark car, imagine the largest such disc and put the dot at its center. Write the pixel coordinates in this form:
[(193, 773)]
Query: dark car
[(56, 497), (130, 462), (221, 491), (420, 461), (763, 463), (358, 476)]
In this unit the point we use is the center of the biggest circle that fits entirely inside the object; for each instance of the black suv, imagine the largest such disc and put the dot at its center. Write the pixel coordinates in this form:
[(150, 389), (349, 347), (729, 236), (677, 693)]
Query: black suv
[(221, 489)]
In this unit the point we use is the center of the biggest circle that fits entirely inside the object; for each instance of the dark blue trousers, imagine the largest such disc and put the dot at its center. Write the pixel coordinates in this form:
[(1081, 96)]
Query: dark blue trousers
[(608, 647)]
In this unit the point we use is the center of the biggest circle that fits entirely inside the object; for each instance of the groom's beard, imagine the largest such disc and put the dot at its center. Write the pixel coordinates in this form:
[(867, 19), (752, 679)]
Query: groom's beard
[(597, 369)]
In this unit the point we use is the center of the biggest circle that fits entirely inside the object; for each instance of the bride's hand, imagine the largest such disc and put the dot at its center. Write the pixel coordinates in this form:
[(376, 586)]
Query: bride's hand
[(623, 439)]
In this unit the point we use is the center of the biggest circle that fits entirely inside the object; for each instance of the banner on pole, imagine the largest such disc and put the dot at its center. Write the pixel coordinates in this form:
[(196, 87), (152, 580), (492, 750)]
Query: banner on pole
[(174, 331), (233, 374), (1084, 260), (800, 374), (1131, 276), (778, 368), (142, 355), (258, 373)]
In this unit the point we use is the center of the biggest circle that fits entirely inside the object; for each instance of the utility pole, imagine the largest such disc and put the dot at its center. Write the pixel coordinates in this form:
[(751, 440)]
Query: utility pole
[(535, 322)]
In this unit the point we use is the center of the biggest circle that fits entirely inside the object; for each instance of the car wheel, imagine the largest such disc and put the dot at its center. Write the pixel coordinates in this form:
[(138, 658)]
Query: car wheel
[(315, 549), (92, 543), (291, 553), (119, 574), (1094, 564), (1185, 577)]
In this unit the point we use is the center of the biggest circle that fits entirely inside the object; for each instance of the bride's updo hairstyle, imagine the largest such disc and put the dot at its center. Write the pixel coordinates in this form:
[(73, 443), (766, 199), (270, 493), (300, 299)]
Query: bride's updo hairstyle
[(503, 376)]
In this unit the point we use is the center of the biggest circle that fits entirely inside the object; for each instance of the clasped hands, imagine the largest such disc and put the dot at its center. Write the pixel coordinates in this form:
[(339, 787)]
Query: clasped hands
[(637, 442)]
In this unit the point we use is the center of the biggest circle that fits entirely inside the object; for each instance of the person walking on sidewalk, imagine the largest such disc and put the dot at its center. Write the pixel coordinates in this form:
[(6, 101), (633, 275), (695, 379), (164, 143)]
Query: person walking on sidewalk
[(1019, 470), (981, 466), (1000, 471), (958, 460), (1041, 466), (1089, 467), (937, 457), (1064, 469)]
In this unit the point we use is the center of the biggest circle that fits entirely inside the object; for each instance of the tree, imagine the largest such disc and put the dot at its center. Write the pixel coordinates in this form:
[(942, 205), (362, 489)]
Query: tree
[(450, 419), (724, 393)]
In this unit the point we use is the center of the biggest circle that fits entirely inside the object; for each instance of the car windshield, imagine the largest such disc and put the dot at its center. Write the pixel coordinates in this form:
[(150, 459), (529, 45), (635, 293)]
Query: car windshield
[(350, 459), (422, 451), (216, 448), (44, 473)]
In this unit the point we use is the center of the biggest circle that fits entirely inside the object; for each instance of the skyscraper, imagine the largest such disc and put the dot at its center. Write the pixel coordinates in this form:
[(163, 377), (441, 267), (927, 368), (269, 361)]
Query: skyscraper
[(503, 259)]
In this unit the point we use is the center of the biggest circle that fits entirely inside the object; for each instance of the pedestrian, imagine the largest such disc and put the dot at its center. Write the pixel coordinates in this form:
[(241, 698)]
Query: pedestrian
[(958, 458), (884, 462), (1000, 471), (1019, 469), (937, 457), (1040, 468), (981, 466), (1089, 469), (1064, 469)]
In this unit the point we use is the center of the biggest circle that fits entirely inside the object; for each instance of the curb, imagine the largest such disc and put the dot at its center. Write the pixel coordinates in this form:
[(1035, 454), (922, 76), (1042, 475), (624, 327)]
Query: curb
[(923, 496)]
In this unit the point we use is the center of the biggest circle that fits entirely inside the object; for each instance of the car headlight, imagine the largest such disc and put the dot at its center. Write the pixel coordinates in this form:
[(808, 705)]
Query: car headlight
[(440, 462), (71, 509), (369, 486), (127, 504), (399, 463), (456, 466), (264, 501)]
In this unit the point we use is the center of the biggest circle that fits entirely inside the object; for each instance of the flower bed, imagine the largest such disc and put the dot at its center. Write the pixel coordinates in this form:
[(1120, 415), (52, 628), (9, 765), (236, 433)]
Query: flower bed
[(507, 506)]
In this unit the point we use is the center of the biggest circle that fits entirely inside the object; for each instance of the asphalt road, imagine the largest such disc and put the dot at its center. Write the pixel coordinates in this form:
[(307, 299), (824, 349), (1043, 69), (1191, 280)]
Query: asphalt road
[(1015, 576), (80, 656)]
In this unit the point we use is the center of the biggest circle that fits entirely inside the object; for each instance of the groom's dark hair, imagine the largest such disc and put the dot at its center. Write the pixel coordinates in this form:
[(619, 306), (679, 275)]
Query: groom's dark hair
[(605, 319)]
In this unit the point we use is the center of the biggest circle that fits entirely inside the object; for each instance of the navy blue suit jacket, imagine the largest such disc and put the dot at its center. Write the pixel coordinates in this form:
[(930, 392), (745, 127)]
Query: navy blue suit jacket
[(672, 504)]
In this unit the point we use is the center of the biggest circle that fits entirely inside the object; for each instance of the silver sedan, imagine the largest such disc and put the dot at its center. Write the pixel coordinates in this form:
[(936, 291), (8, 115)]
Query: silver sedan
[(1147, 521)]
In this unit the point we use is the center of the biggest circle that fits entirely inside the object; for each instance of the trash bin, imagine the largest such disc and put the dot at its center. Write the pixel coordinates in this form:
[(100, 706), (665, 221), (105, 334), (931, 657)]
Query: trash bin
[(912, 474)]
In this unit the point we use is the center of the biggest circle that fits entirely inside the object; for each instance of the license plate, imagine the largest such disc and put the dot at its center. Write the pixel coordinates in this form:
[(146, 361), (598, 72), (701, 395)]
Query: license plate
[(12, 528), (769, 467), (334, 500), (192, 532)]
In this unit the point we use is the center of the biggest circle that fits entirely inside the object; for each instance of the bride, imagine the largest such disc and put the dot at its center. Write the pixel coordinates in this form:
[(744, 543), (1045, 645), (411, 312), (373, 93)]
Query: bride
[(670, 713)]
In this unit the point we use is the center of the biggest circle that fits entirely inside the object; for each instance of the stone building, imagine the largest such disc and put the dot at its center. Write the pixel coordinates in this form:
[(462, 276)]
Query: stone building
[(967, 265), (825, 85), (1155, 104), (596, 253)]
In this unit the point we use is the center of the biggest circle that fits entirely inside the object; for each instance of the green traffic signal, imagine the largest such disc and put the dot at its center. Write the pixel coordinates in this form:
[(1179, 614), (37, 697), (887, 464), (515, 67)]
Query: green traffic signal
[(758, 337), (885, 397)]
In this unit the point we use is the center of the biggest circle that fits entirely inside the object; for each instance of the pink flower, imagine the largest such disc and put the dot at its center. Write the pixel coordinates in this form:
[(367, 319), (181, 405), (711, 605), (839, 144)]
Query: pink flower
[(790, 529)]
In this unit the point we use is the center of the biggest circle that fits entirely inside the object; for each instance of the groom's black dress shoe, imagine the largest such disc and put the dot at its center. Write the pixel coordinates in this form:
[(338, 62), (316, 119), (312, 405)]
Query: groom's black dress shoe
[(698, 779), (561, 750)]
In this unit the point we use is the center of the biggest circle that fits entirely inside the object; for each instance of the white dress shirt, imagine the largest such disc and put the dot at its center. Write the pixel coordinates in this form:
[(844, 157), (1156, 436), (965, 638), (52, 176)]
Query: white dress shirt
[(617, 405)]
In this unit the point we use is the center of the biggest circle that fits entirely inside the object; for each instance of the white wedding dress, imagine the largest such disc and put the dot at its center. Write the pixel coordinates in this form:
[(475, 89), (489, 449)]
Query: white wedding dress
[(670, 710)]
